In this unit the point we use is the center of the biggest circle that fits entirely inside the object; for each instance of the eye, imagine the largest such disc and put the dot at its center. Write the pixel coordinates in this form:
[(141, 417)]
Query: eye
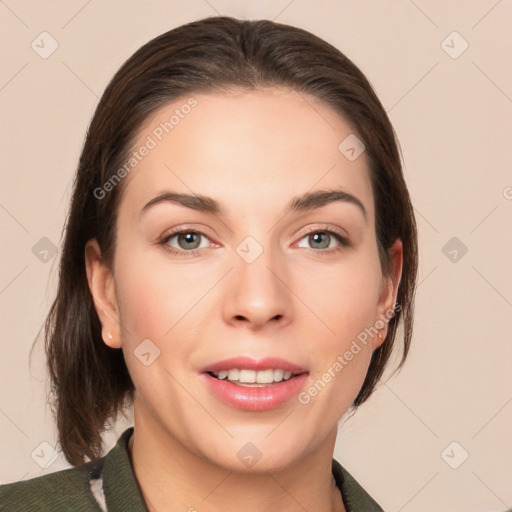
[(185, 241), (323, 240), (188, 242)]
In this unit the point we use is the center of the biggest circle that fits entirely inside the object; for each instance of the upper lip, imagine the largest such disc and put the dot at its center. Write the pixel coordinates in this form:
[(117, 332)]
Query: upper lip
[(247, 363)]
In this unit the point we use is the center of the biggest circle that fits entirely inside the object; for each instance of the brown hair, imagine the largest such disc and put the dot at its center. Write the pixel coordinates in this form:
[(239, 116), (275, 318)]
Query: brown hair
[(89, 380)]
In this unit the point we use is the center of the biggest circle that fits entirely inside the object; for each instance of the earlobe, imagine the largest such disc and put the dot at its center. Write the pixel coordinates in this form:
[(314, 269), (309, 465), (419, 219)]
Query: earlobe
[(389, 291), (102, 289)]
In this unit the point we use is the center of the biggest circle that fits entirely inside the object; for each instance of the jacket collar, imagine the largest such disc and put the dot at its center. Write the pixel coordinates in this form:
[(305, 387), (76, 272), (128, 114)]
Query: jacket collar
[(123, 493), (120, 487)]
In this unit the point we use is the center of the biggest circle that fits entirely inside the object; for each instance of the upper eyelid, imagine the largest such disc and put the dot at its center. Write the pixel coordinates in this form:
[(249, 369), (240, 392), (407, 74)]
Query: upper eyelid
[(325, 227), (187, 229)]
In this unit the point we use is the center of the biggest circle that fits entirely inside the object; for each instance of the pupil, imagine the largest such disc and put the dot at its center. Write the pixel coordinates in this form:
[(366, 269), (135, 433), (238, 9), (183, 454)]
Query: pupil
[(316, 236), (189, 240)]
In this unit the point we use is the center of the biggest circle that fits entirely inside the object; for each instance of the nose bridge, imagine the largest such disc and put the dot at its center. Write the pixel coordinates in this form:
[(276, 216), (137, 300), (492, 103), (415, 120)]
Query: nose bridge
[(257, 293)]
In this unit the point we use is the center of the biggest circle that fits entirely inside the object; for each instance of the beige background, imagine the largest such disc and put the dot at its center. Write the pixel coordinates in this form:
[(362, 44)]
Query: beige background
[(453, 118)]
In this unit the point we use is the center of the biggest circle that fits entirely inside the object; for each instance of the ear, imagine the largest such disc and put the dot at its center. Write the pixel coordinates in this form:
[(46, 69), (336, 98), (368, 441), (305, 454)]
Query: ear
[(102, 288), (389, 291)]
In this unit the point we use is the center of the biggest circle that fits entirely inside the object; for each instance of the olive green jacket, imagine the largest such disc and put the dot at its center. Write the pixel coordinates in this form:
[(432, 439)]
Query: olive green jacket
[(69, 489)]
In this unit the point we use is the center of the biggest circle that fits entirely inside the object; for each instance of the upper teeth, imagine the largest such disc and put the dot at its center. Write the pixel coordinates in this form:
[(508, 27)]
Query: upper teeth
[(252, 376)]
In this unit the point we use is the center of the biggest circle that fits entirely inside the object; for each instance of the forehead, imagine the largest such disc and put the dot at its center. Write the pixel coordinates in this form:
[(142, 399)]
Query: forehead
[(240, 147)]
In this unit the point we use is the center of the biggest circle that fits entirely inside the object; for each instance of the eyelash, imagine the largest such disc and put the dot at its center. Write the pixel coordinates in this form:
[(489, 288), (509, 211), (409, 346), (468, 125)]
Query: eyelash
[(344, 242)]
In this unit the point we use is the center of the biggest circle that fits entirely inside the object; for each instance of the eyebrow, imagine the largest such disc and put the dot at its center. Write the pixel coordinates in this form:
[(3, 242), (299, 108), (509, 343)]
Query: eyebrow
[(306, 202)]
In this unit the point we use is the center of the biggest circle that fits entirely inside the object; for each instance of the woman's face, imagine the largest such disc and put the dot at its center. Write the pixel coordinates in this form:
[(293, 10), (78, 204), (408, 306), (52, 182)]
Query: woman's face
[(261, 269)]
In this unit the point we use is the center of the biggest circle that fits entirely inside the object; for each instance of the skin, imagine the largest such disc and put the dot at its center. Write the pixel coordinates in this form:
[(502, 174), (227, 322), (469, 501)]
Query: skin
[(252, 152)]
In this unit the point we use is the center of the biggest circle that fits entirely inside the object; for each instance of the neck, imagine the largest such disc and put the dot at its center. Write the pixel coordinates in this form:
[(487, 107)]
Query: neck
[(171, 478)]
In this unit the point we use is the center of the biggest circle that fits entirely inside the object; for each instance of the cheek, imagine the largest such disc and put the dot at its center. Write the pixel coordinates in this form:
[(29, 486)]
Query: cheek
[(163, 303), (152, 308), (141, 306), (344, 298), (345, 302), (152, 298)]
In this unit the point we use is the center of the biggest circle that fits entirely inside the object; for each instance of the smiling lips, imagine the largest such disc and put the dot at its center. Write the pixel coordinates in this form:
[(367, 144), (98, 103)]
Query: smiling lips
[(245, 371), (243, 377), (254, 385)]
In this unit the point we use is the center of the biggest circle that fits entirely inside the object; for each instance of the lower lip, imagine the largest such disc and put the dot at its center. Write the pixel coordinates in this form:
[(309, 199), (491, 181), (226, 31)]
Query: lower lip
[(256, 398)]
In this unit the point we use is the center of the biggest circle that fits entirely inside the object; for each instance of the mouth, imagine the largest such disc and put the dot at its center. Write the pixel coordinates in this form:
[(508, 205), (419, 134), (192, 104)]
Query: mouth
[(251, 372), (251, 378), (255, 385)]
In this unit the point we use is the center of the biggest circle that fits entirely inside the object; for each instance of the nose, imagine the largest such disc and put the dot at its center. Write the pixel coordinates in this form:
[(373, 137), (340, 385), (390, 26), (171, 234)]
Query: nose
[(256, 294)]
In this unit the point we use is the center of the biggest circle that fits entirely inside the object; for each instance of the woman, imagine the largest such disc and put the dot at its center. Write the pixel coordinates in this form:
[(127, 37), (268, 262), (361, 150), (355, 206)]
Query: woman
[(239, 252)]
